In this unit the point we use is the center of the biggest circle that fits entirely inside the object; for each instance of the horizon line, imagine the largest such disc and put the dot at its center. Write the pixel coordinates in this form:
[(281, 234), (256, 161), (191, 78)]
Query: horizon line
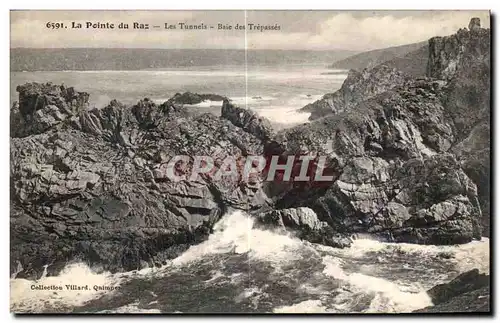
[(157, 48)]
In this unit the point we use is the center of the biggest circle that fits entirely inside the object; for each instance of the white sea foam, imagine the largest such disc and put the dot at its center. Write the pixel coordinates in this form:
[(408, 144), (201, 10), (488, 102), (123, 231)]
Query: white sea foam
[(333, 267), (206, 104), (24, 298), (216, 274), (279, 110), (358, 289), (234, 233), (358, 248), (475, 254), (388, 296), (309, 306), (248, 293), (284, 115), (395, 296), (132, 309)]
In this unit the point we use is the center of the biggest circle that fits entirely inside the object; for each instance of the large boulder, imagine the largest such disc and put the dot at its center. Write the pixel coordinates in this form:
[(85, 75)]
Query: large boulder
[(304, 222), (475, 301), (194, 98), (468, 292), (248, 120), (465, 282), (475, 24)]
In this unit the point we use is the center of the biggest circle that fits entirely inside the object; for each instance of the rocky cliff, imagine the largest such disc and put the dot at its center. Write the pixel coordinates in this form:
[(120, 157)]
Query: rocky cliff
[(393, 174), (463, 60), (358, 87), (458, 68), (93, 184), (468, 292)]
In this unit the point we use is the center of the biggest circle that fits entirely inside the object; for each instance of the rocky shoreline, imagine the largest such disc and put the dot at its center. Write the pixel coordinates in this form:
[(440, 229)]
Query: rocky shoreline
[(468, 292), (409, 159)]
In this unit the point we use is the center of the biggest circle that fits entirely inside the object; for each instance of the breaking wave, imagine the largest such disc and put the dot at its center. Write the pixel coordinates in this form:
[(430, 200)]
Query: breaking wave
[(244, 268)]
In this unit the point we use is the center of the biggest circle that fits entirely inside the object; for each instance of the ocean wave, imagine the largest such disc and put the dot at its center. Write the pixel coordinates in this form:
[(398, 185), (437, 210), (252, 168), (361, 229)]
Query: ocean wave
[(309, 306), (234, 233), (388, 296), (284, 115), (130, 309), (264, 270), (55, 293)]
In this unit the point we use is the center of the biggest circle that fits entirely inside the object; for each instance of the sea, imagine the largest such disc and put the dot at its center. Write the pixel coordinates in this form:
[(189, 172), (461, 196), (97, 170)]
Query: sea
[(244, 268), (275, 92)]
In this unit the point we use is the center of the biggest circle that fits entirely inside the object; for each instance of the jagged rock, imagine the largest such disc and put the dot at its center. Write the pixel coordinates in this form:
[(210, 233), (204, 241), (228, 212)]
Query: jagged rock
[(471, 302), (305, 223), (406, 122), (194, 98), (449, 54), (248, 120), (428, 201), (43, 106), (356, 88), (389, 143), (464, 60), (95, 188), (475, 24), (474, 154), (148, 114), (394, 175), (465, 282), (468, 292), (93, 184)]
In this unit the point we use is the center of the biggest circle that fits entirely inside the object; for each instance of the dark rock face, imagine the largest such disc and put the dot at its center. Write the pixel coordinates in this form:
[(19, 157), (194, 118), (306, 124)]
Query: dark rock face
[(384, 131), (468, 292), (305, 222), (356, 88), (43, 106), (94, 186), (248, 120), (194, 98), (463, 60), (451, 54), (394, 176), (476, 301), (463, 283), (403, 155), (474, 154), (474, 24)]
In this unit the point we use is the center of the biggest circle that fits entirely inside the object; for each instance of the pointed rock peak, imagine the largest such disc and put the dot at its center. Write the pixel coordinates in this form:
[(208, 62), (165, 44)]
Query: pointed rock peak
[(475, 24)]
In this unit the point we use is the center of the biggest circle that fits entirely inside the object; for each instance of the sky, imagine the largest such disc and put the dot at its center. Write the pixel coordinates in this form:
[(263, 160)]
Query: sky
[(298, 30)]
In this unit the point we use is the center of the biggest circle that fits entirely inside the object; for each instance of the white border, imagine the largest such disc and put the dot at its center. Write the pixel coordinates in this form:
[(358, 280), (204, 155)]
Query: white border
[(257, 4), (189, 4)]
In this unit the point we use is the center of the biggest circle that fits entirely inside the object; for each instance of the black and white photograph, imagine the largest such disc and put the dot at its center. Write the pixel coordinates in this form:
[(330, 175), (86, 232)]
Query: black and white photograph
[(250, 161)]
